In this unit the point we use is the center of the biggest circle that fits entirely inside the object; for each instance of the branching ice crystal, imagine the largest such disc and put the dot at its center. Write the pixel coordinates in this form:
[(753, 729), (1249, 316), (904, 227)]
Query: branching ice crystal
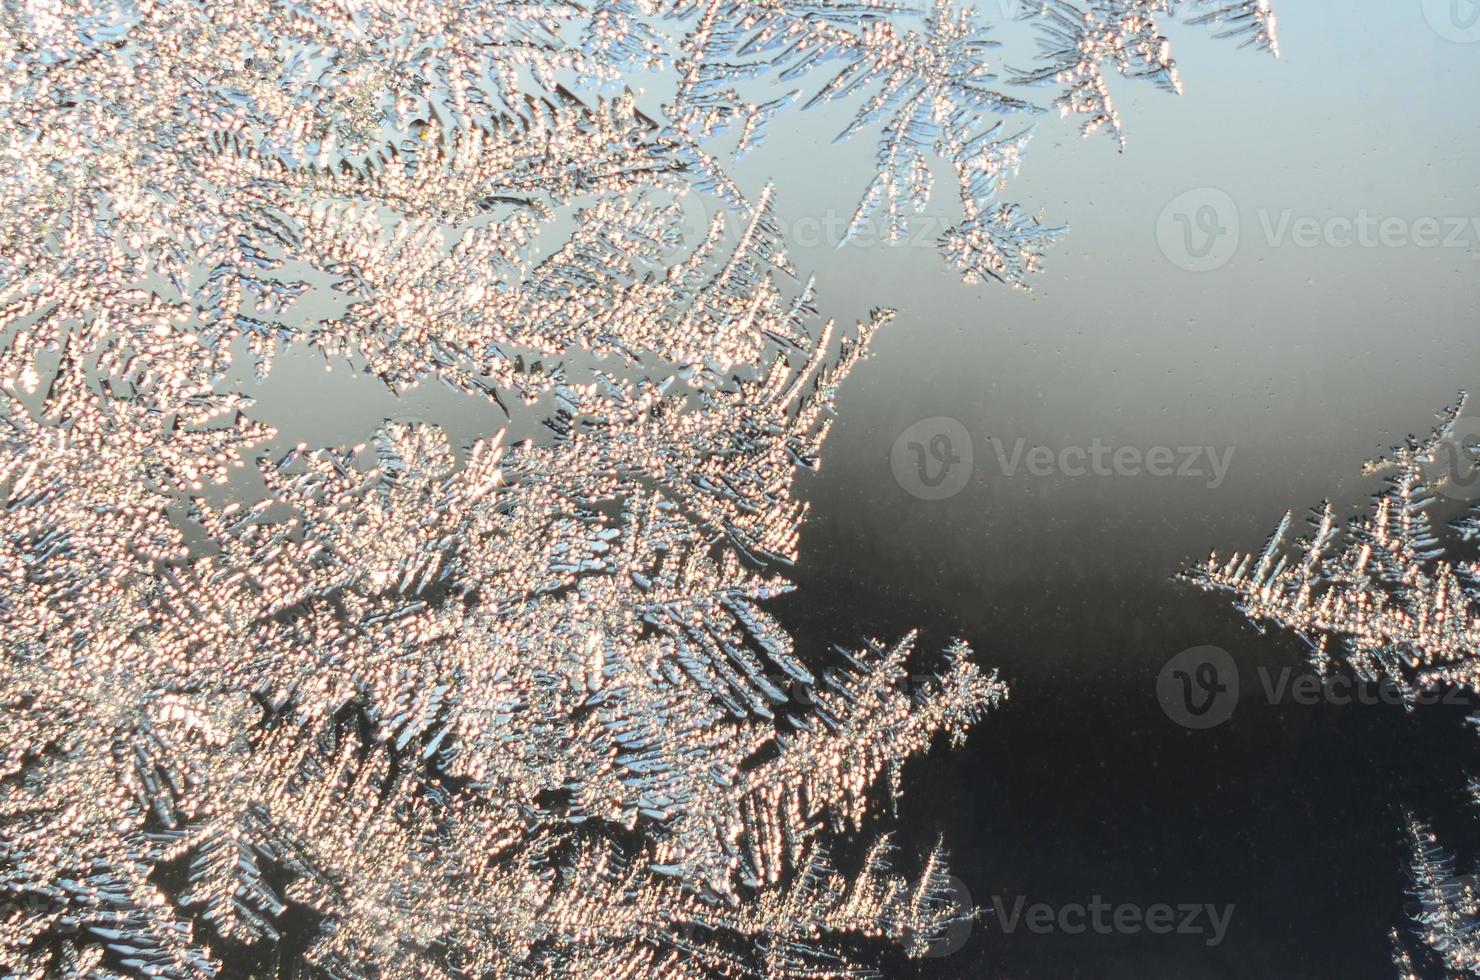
[(1387, 597), (409, 708), (1447, 908), (514, 715), (1079, 43), (1380, 593)]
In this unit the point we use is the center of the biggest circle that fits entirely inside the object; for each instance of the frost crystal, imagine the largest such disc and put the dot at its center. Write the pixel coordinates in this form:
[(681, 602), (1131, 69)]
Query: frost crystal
[(409, 708), (1386, 596), (1379, 593), (1447, 908), (1078, 42)]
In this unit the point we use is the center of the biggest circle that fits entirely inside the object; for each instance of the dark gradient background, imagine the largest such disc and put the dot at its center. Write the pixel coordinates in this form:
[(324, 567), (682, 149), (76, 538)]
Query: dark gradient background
[(1306, 361)]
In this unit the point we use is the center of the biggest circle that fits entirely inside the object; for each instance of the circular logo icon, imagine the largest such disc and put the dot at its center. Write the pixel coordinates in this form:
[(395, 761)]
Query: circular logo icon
[(1454, 20), (956, 934), (696, 212), (1454, 467), (933, 459), (1198, 688), (1199, 230)]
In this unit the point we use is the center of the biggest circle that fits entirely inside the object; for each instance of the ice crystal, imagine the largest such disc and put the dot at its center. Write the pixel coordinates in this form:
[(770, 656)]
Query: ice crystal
[(1397, 599), (928, 78), (517, 714), (1078, 42), (1381, 593), (411, 708), (1447, 907)]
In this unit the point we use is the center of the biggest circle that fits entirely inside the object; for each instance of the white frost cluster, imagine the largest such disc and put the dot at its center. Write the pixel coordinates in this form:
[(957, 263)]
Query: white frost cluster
[(517, 710)]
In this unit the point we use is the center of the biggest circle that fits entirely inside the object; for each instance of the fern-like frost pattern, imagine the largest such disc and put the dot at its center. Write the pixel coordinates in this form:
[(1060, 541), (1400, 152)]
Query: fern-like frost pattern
[(1394, 598), (411, 708)]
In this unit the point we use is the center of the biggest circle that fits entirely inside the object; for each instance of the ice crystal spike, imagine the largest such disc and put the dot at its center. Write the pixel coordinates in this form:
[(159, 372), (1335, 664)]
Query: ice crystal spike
[(1447, 908), (1253, 22)]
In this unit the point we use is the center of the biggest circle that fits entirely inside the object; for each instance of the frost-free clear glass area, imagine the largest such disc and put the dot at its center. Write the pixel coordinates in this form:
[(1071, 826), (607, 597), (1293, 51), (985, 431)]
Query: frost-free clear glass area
[(726, 489)]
